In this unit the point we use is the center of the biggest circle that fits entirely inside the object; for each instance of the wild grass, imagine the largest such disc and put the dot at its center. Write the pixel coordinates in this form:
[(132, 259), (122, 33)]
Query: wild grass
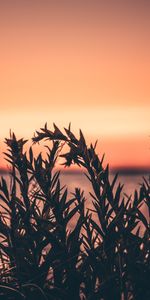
[(41, 257)]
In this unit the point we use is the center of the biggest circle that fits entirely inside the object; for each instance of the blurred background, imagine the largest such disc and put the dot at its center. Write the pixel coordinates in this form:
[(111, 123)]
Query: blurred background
[(84, 62)]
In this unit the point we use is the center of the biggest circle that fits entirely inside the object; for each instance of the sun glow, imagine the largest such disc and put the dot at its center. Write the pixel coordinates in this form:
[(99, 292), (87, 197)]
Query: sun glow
[(87, 64)]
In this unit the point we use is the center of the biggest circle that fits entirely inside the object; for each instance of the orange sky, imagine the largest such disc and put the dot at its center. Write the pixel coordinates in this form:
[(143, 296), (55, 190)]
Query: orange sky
[(81, 61)]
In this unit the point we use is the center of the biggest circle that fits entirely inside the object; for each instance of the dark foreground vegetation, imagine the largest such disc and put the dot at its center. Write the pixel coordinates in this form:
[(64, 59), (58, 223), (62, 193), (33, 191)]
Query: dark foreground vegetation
[(52, 245)]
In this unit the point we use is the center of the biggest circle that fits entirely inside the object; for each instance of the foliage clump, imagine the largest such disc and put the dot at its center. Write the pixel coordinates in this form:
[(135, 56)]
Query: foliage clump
[(104, 256)]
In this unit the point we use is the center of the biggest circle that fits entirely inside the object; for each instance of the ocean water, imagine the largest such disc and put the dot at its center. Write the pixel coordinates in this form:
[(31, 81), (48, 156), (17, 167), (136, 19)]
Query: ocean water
[(74, 180), (77, 179), (130, 181)]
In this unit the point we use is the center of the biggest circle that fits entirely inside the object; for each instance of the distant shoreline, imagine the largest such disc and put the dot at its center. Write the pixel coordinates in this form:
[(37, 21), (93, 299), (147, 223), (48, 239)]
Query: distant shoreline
[(127, 171), (131, 170)]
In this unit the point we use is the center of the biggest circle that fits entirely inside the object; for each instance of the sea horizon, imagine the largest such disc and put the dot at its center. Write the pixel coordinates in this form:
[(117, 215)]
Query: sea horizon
[(121, 170)]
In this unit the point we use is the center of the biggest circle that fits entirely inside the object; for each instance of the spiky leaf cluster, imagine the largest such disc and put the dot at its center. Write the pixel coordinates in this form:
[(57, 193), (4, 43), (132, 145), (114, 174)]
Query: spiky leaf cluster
[(53, 246)]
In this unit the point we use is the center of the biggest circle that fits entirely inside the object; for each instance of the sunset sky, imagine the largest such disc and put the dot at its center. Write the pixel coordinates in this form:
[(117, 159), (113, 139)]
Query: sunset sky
[(84, 62)]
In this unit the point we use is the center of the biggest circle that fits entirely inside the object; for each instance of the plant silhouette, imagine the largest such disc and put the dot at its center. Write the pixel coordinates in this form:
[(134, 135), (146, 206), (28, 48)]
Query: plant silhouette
[(41, 256)]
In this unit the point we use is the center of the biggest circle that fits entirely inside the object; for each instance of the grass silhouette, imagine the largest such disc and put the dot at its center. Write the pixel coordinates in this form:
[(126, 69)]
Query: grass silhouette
[(41, 256)]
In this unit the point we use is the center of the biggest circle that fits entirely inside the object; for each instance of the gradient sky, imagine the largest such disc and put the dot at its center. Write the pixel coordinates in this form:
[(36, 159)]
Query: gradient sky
[(81, 61)]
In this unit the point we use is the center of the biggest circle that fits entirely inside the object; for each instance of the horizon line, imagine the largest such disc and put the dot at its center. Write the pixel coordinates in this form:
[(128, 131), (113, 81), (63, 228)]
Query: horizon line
[(122, 170)]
